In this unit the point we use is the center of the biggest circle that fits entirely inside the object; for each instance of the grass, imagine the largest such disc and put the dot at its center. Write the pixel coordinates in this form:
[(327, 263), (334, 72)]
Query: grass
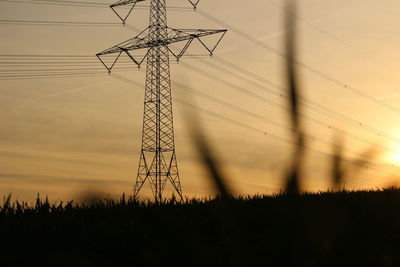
[(360, 228)]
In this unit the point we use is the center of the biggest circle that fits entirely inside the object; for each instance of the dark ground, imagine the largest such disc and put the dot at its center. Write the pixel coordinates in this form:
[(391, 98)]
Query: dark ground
[(327, 229)]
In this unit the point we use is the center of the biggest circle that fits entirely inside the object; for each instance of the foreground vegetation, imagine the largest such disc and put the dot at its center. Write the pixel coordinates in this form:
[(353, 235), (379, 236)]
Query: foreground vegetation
[(327, 229)]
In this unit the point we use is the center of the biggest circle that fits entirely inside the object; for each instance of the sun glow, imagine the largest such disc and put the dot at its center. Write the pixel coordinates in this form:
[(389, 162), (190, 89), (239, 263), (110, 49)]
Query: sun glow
[(394, 156)]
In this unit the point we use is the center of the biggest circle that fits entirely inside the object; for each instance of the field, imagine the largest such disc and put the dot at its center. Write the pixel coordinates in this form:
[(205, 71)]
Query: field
[(326, 229)]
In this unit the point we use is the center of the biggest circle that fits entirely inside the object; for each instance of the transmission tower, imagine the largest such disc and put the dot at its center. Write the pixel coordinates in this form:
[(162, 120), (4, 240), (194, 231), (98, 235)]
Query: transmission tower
[(158, 163)]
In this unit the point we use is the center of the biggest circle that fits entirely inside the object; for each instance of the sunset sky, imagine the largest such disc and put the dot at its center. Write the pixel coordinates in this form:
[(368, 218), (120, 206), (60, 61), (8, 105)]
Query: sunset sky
[(63, 136)]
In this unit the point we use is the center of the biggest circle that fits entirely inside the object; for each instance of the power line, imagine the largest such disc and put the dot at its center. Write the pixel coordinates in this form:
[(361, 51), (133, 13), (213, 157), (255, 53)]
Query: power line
[(241, 124), (218, 80), (27, 75), (70, 57), (299, 63), (102, 24), (55, 4), (228, 64), (232, 121), (363, 126), (45, 56), (210, 98), (247, 92), (56, 23), (311, 104), (67, 69), (249, 113), (333, 37), (259, 117), (56, 63), (88, 4), (306, 101), (278, 105), (49, 76), (277, 137)]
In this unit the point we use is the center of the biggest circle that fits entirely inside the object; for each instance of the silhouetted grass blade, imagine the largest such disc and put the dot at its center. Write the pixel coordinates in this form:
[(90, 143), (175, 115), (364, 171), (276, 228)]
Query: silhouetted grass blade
[(292, 185), (338, 171)]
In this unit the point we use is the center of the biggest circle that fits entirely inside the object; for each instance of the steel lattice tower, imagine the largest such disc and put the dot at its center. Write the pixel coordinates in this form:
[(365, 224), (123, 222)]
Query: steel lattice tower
[(158, 163)]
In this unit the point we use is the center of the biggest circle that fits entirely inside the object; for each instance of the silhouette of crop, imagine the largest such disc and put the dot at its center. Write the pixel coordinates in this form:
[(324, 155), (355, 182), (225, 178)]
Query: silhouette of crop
[(323, 229)]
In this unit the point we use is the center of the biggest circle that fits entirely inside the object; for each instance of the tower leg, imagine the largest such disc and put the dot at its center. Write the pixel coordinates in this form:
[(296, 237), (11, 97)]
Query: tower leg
[(173, 175), (141, 176), (163, 168)]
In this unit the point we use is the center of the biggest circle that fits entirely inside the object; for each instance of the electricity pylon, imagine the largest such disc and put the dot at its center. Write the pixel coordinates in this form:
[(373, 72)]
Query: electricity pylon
[(158, 163)]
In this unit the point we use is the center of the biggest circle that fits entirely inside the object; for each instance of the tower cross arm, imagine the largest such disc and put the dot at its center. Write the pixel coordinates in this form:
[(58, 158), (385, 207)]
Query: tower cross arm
[(138, 42), (125, 2), (194, 3), (173, 36)]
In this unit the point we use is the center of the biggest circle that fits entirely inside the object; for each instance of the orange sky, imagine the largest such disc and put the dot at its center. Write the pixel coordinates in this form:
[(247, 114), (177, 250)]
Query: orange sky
[(65, 136)]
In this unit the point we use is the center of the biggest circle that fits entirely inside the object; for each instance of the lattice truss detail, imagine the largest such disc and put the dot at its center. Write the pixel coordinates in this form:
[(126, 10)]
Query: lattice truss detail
[(143, 40), (158, 163)]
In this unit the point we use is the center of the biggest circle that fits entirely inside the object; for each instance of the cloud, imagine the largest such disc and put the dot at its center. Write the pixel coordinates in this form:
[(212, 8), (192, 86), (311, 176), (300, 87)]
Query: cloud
[(64, 181), (63, 92), (43, 155)]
